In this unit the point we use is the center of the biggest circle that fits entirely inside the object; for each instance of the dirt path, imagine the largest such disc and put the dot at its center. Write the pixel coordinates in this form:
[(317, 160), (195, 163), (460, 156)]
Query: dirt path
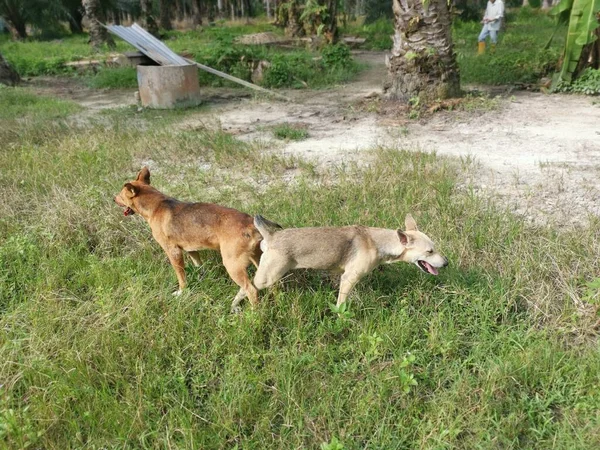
[(539, 153)]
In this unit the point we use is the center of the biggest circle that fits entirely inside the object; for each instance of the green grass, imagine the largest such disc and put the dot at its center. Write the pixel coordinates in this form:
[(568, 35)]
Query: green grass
[(16, 103), (499, 351), (114, 78), (292, 132)]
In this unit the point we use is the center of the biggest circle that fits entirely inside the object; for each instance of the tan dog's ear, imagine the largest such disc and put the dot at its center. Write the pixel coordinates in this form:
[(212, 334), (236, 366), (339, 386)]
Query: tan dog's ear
[(405, 239), (131, 190), (410, 223), (144, 175)]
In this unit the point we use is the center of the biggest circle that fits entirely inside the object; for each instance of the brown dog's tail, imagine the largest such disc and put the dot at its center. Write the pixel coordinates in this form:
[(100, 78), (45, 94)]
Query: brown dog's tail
[(265, 227)]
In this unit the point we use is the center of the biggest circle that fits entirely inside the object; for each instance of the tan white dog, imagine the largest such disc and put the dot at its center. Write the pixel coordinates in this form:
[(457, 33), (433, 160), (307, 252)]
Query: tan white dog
[(353, 250)]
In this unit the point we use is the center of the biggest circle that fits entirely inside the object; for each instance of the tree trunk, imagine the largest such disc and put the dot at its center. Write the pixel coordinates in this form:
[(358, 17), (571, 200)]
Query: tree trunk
[(197, 9), (165, 15), (546, 5), (422, 62), (75, 19), (525, 3), (220, 8), (148, 20), (8, 75), (330, 31), (20, 28), (268, 8), (180, 10), (294, 27), (98, 34)]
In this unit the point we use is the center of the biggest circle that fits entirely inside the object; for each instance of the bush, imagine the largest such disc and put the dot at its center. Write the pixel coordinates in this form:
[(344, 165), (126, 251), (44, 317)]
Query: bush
[(336, 55), (588, 83)]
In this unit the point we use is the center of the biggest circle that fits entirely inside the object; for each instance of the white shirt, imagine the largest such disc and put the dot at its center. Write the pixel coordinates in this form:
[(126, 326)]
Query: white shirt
[(495, 13)]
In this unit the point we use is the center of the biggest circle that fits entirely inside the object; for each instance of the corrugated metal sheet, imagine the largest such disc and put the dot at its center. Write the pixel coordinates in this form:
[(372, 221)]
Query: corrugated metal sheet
[(148, 44)]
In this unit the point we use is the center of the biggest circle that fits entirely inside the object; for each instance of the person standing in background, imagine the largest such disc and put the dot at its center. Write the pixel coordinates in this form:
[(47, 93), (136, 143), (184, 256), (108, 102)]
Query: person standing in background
[(492, 20)]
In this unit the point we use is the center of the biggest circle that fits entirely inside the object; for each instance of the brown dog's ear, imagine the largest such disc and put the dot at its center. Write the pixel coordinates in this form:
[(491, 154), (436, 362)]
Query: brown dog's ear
[(405, 239), (131, 190), (144, 175), (410, 223)]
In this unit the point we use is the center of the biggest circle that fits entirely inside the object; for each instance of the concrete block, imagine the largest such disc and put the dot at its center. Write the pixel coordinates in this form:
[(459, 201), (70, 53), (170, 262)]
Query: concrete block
[(168, 87)]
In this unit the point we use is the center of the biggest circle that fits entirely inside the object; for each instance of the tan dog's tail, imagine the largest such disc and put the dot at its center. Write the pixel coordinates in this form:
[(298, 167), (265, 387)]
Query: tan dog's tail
[(265, 227)]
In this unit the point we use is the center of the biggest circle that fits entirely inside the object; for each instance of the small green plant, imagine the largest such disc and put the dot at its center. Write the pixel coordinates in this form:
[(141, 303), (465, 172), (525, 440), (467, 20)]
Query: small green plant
[(371, 343), (333, 444), (406, 378), (290, 132), (592, 292)]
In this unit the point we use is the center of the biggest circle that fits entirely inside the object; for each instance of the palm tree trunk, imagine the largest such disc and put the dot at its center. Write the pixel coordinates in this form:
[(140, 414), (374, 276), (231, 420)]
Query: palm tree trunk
[(165, 15), (422, 63), (331, 31), (8, 75), (98, 34), (148, 20), (197, 9)]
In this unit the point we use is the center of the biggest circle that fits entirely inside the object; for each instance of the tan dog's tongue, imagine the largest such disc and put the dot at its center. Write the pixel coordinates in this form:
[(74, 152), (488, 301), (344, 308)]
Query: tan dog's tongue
[(432, 270)]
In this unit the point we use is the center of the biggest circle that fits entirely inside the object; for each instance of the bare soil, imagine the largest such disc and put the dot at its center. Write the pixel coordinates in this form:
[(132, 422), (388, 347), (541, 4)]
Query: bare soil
[(538, 153)]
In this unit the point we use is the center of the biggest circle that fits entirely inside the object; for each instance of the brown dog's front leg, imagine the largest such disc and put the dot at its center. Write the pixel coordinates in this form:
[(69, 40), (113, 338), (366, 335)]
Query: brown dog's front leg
[(175, 255)]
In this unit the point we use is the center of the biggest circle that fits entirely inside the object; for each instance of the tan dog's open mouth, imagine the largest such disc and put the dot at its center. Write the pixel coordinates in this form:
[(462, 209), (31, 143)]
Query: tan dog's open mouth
[(426, 267), (128, 212)]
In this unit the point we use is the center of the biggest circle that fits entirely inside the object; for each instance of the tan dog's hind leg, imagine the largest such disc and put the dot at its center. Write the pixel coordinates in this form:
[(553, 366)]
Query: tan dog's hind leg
[(269, 272), (195, 257)]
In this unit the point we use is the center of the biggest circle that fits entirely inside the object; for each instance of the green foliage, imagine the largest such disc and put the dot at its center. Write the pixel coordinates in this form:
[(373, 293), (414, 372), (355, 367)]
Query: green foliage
[(582, 22), (337, 55), (377, 34), (376, 10), (587, 83)]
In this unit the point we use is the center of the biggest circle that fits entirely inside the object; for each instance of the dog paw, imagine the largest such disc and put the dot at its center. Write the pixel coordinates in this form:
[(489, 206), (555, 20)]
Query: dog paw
[(236, 309), (177, 293)]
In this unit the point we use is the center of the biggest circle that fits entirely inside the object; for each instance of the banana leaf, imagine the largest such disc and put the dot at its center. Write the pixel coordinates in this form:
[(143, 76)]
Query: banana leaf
[(582, 18)]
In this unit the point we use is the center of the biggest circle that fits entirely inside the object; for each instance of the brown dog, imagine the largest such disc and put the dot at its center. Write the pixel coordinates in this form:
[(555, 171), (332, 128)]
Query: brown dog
[(180, 226)]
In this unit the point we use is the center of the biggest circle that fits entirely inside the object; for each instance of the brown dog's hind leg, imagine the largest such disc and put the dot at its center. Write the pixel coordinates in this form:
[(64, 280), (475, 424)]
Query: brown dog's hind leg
[(195, 257), (236, 268)]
